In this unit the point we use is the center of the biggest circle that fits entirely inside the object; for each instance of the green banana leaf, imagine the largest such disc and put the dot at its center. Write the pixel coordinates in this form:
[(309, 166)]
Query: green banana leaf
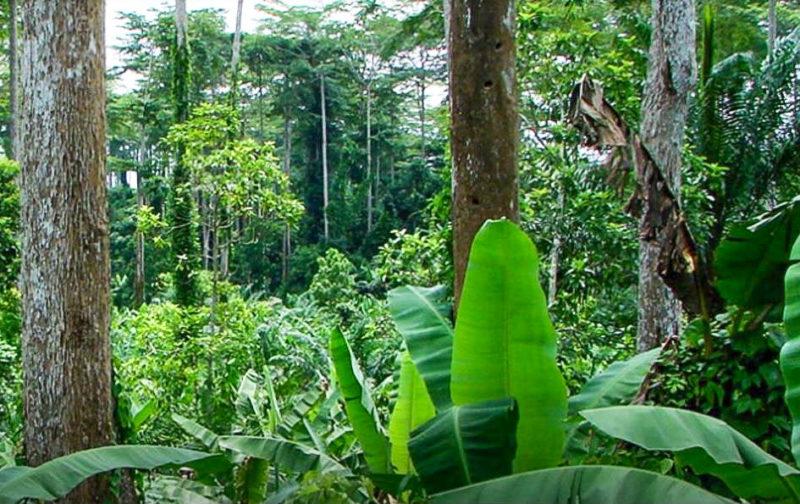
[(288, 455), (251, 480), (422, 317), (706, 444), (583, 485), (790, 353), (412, 409), (751, 261), (465, 445), (170, 489), (505, 344), (360, 410), (56, 478), (618, 384), (194, 429)]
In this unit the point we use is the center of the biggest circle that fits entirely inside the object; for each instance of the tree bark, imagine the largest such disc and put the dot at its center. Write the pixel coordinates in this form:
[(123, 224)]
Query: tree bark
[(236, 52), (323, 106), (12, 79), (65, 247), (772, 28), (139, 278), (485, 123), (671, 76)]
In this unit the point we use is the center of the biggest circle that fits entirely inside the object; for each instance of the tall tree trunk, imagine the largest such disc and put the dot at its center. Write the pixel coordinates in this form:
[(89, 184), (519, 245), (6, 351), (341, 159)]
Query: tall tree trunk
[(12, 79), (236, 54), (772, 28), (671, 76), (65, 249), (323, 106), (482, 85), (139, 278), (422, 112), (369, 158), (184, 241), (287, 170)]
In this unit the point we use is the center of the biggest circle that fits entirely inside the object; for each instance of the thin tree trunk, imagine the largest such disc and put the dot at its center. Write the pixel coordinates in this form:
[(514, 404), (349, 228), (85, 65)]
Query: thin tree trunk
[(772, 28), (422, 112), (555, 253), (482, 85), (287, 170), (369, 158), (671, 76), (236, 53), (139, 279), (323, 106), (183, 229), (65, 246), (12, 78)]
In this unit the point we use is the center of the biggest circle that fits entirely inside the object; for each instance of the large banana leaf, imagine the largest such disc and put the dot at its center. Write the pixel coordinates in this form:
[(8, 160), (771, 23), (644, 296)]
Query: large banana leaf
[(56, 478), (412, 409), (465, 445), (194, 429), (360, 409), (706, 444), (505, 345), (289, 456), (790, 353), (618, 384), (583, 485), (751, 261), (422, 317)]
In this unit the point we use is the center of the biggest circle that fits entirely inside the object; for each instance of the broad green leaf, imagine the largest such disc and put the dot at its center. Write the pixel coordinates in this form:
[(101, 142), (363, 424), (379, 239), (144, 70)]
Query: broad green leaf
[(751, 261), (465, 445), (301, 405), (583, 485), (142, 413), (251, 480), (184, 491), (247, 401), (790, 353), (56, 478), (706, 444), (422, 317), (289, 456), (412, 409), (360, 410), (505, 344), (618, 384), (194, 429)]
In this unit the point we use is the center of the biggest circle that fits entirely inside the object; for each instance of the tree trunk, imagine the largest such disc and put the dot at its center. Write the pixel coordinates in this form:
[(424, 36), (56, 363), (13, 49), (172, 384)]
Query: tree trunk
[(369, 158), (183, 229), (236, 53), (323, 106), (287, 170), (139, 279), (12, 79), (671, 76), (422, 112), (65, 249), (772, 27), (482, 87)]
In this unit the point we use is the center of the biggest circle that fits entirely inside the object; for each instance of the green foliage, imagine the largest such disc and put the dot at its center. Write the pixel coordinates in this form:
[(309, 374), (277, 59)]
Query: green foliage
[(418, 258), (412, 408), (466, 444), (58, 477), (707, 445), (790, 360), (360, 408), (585, 484), (422, 317), (504, 342)]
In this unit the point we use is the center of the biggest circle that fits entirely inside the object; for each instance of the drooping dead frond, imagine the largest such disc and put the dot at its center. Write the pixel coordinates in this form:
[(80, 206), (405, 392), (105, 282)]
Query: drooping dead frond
[(661, 220)]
